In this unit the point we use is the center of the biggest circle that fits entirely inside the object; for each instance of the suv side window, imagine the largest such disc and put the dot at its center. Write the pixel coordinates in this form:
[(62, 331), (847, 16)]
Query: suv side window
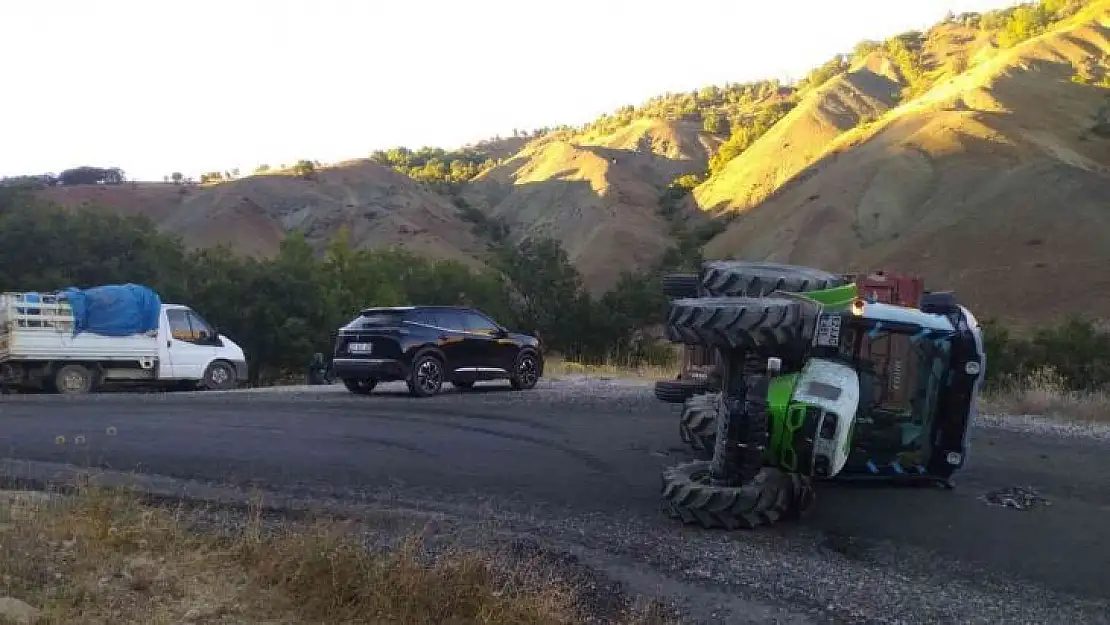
[(451, 320), (426, 317), (477, 323)]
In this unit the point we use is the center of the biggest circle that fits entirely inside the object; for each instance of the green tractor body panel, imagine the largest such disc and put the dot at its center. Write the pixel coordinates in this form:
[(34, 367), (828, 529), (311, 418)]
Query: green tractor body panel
[(812, 433), (783, 425), (839, 297)]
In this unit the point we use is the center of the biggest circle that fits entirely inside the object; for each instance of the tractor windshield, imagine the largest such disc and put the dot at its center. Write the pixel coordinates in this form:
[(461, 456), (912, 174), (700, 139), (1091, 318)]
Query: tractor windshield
[(900, 377)]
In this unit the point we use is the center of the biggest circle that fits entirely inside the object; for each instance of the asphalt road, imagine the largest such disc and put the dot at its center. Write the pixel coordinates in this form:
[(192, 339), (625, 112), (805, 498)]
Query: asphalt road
[(572, 450)]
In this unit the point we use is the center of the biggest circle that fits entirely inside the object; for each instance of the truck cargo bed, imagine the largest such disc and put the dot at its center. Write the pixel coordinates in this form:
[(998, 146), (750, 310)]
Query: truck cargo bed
[(41, 328)]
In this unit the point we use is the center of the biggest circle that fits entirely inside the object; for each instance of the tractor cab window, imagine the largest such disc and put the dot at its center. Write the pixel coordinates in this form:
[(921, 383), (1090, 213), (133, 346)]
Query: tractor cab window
[(900, 377)]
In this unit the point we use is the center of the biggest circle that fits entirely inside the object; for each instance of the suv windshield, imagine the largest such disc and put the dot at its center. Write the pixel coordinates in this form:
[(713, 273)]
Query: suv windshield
[(900, 378)]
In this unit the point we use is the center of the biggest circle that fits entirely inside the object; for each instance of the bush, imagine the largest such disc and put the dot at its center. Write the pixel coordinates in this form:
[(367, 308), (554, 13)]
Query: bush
[(1075, 353)]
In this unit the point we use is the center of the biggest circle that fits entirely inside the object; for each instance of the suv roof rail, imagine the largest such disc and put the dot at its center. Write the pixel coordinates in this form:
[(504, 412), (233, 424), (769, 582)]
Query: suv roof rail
[(380, 309)]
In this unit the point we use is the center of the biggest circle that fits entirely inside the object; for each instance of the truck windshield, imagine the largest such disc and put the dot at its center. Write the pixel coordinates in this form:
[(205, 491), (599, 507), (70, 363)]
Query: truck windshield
[(900, 378)]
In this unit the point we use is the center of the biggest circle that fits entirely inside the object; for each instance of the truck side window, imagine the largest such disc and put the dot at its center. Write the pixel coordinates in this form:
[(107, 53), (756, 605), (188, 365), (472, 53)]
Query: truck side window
[(180, 328), (201, 330)]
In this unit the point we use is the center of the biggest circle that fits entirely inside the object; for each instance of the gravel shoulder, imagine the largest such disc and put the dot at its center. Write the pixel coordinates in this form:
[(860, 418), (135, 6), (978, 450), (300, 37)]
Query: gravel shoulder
[(574, 466)]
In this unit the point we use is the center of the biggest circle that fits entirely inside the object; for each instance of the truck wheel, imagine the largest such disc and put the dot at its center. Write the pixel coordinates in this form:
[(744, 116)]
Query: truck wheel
[(676, 285), (360, 387), (768, 325), (771, 496), (219, 376), (697, 427), (73, 380), (733, 278)]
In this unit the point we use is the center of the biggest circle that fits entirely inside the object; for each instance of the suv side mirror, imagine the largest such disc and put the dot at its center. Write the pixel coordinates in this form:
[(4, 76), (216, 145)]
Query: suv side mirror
[(500, 332)]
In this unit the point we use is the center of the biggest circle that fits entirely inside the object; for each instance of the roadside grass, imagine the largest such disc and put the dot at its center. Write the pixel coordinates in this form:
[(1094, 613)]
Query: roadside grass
[(1045, 395), (556, 367), (104, 556)]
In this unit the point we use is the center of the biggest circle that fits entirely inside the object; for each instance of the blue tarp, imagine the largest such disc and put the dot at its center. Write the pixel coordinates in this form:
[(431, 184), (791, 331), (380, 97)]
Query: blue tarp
[(114, 309)]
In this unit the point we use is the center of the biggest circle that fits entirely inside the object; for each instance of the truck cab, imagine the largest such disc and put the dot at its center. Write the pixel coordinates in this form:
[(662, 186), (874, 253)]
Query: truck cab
[(188, 345)]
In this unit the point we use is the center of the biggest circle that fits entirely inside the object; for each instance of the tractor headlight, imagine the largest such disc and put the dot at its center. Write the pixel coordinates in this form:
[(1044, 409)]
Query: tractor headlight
[(972, 367)]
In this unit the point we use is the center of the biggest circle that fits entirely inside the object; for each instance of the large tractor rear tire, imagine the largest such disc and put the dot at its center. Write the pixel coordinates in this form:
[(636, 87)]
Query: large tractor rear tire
[(771, 496), (734, 278), (773, 326)]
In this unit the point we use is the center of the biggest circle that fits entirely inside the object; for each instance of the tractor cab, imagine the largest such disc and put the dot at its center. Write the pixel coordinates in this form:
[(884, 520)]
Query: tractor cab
[(911, 378)]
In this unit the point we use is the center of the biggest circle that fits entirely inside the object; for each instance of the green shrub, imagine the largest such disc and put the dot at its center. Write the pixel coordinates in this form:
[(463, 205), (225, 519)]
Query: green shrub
[(1077, 351)]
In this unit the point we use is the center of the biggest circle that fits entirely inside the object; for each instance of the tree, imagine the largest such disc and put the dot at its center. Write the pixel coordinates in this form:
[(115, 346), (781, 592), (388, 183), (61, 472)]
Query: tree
[(1024, 23), (91, 175), (713, 123), (177, 177), (304, 168), (548, 291)]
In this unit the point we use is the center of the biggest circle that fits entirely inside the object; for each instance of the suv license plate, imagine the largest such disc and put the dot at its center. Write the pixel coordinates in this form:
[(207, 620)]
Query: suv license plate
[(360, 348)]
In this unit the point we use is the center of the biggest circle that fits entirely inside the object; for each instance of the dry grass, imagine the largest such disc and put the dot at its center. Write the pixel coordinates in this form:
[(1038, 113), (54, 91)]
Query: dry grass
[(1044, 394), (555, 367), (105, 557)]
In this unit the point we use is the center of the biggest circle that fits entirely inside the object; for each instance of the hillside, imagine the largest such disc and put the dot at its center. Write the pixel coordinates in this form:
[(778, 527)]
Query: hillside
[(596, 192), (378, 206), (994, 183), (792, 144)]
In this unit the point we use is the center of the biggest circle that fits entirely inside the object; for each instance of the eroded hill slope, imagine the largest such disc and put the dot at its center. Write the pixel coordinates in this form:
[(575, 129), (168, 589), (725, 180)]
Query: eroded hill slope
[(378, 206), (596, 193)]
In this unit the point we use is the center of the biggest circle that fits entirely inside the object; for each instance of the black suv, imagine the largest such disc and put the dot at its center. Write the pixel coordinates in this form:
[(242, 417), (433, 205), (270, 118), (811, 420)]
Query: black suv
[(428, 345)]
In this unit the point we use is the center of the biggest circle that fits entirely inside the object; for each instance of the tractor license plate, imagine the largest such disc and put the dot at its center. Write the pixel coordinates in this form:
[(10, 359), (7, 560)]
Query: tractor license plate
[(360, 348), (828, 331)]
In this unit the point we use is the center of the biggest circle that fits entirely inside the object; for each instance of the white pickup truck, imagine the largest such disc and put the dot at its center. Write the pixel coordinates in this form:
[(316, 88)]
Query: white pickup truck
[(38, 348)]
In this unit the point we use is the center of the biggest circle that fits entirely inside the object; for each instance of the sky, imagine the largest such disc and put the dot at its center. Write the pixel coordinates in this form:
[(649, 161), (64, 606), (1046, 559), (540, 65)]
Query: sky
[(156, 86)]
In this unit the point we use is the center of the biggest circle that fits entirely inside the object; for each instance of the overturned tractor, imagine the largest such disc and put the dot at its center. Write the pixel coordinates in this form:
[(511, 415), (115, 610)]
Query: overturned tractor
[(807, 375)]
